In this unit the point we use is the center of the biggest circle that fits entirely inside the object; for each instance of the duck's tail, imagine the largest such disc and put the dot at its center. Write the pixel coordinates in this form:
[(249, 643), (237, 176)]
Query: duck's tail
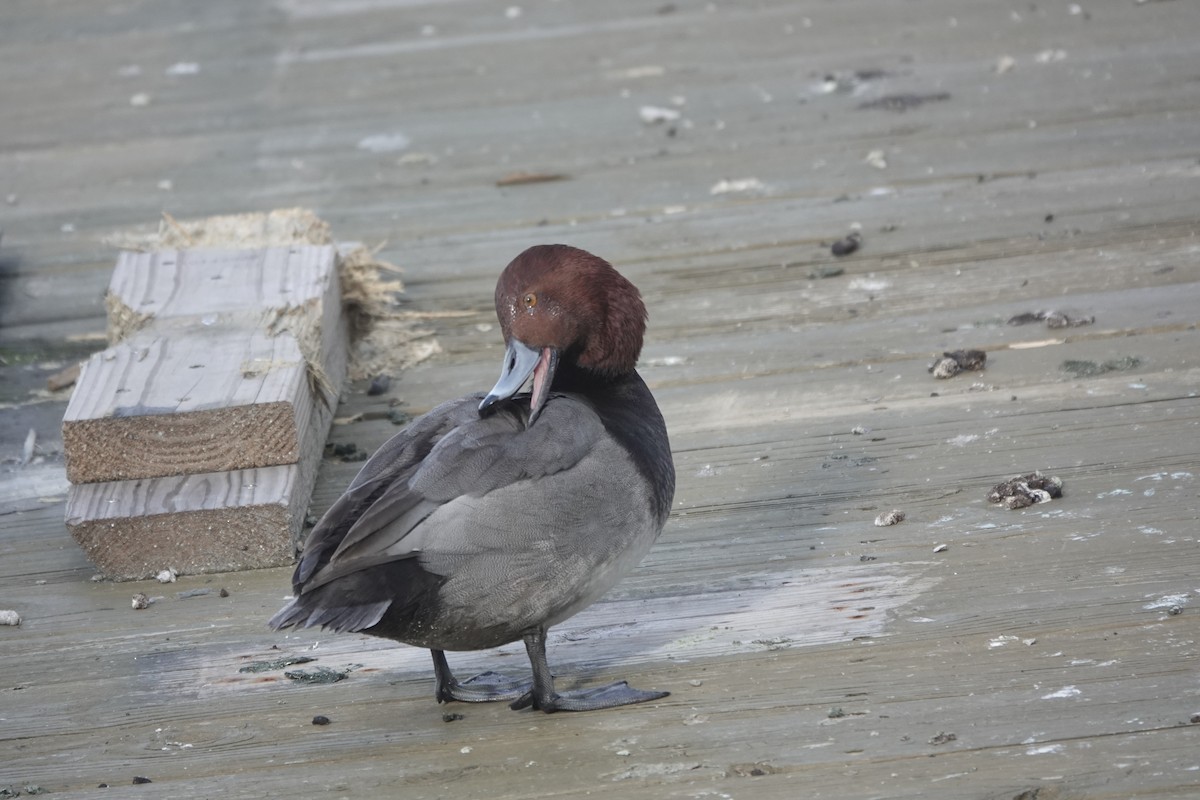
[(298, 614)]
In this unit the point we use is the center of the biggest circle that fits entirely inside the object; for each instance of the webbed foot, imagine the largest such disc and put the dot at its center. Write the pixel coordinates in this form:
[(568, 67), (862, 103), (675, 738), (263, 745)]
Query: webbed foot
[(542, 696), (594, 699), (486, 687)]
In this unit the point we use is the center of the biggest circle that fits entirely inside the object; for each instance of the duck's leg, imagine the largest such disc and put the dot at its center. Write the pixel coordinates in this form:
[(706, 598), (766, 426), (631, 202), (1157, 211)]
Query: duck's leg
[(485, 687), (543, 696)]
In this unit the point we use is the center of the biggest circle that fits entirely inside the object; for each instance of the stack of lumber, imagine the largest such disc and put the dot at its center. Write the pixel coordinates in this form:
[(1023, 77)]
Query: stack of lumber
[(192, 442)]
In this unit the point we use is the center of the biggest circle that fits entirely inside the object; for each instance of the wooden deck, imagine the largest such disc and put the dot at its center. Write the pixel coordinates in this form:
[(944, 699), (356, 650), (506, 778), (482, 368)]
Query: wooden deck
[(1000, 158)]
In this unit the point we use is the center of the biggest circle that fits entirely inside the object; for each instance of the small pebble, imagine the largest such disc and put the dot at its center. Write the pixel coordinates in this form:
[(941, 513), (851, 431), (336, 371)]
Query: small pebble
[(379, 385), (455, 717), (167, 575), (941, 548), (653, 115), (952, 363), (139, 779), (893, 517), (140, 601), (846, 245), (9, 617), (320, 719), (945, 368), (223, 593)]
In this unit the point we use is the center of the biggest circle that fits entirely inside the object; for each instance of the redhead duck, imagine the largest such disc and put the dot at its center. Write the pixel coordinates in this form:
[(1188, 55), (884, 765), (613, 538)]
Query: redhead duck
[(494, 517)]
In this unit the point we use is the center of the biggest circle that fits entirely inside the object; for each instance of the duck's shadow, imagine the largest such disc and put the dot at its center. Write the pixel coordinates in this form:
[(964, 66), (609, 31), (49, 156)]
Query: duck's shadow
[(762, 612)]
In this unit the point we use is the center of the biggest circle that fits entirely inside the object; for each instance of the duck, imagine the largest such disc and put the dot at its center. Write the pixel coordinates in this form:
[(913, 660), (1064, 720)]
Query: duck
[(493, 517)]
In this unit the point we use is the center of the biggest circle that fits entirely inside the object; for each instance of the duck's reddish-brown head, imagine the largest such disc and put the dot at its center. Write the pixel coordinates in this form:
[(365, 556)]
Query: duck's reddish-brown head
[(559, 302)]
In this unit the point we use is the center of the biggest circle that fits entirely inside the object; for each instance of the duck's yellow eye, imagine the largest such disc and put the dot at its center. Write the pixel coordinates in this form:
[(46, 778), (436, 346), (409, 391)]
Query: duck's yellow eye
[(530, 300)]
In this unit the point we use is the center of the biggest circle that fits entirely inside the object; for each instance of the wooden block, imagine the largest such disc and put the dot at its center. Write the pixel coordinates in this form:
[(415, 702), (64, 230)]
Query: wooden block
[(194, 440), (196, 401), (217, 522), (167, 284), (222, 358)]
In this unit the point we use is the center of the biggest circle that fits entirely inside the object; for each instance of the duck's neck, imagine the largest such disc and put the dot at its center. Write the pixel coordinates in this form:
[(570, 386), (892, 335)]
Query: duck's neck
[(630, 415)]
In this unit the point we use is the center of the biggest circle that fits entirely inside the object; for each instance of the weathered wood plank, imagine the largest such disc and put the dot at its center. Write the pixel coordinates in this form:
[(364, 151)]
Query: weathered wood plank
[(188, 401), (261, 283), (214, 364), (216, 522)]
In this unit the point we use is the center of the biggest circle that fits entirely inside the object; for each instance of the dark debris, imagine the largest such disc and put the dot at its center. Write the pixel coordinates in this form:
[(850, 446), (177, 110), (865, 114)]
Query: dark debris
[(1053, 319), (954, 362), (828, 271), (1022, 491), (346, 452), (847, 244), (319, 675), (755, 770), (899, 103), (279, 663), (1090, 369)]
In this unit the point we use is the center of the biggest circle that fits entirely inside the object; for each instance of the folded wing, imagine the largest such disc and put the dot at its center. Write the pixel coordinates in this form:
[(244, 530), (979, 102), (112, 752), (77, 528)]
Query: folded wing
[(362, 557)]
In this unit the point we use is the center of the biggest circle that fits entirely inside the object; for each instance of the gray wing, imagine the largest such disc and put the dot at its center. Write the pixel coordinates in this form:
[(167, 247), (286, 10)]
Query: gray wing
[(448, 453), (394, 462)]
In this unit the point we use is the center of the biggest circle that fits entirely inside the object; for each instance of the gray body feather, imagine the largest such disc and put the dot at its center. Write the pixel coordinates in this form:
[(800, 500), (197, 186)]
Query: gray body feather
[(463, 533)]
